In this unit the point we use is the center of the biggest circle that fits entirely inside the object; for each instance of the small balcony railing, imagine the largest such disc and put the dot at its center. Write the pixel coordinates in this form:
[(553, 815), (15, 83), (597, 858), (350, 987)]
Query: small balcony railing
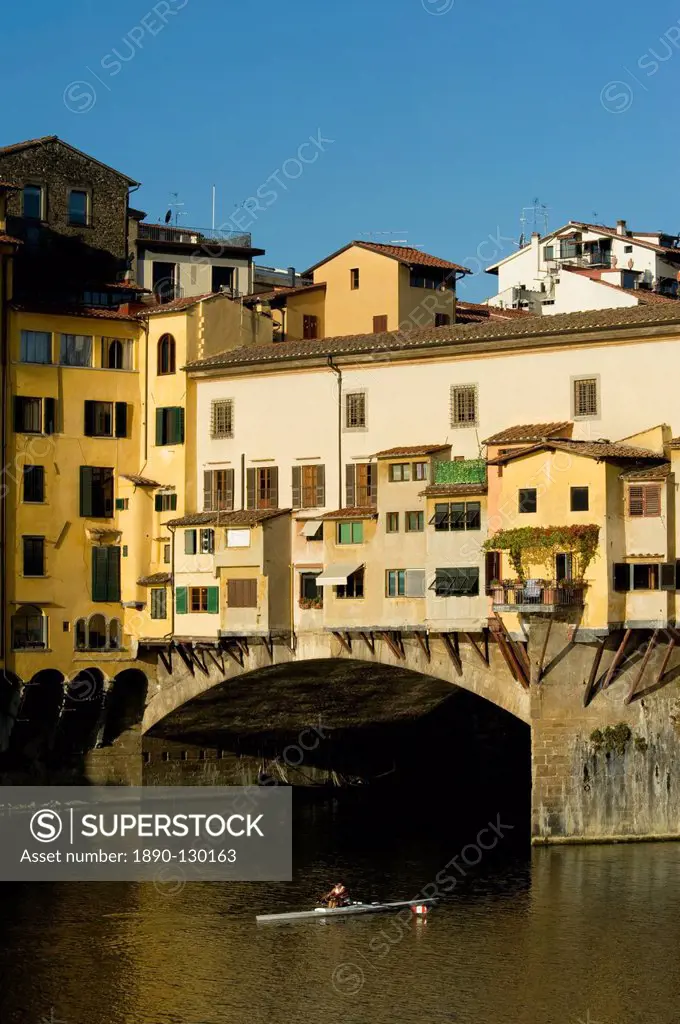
[(194, 236), (537, 595), (596, 258)]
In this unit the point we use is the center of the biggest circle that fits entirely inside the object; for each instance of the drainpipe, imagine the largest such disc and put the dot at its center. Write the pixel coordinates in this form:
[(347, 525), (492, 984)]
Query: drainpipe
[(4, 345), (338, 373), (243, 482), (172, 584), (145, 328)]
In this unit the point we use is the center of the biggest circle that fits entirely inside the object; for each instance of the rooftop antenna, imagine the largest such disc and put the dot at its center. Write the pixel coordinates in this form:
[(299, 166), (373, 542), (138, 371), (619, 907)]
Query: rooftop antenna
[(213, 207), (175, 205), (533, 219), (387, 237)]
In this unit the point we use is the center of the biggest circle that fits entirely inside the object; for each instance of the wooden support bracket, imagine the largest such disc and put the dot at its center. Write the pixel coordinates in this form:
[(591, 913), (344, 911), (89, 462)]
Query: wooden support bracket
[(424, 641), (616, 661), (452, 649), (345, 640), (199, 659), (217, 662), (186, 657), (484, 657), (269, 644), (166, 658), (369, 640), (394, 642), (234, 652), (645, 661), (590, 685), (544, 648)]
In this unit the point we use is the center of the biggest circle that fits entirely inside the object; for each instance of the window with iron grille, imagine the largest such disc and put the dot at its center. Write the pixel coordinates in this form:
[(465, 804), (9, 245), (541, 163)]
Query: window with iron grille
[(159, 603), (586, 400), (222, 417), (218, 490), (464, 405), (355, 410), (456, 582), (309, 486), (644, 500)]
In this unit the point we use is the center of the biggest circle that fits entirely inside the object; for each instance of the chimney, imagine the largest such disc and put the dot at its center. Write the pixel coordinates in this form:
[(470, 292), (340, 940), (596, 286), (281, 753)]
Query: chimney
[(621, 227), (291, 274), (535, 236)]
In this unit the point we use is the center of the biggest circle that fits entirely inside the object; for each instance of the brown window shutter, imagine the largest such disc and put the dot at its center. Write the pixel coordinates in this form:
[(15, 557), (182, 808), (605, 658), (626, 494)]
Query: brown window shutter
[(652, 501), (350, 486), (250, 488), (297, 487), (207, 491), (229, 490), (379, 324), (636, 501), (242, 593), (320, 486), (273, 488), (373, 484)]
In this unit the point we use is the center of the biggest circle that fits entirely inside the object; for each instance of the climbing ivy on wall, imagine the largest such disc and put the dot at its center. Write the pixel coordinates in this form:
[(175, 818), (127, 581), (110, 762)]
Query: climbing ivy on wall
[(538, 545)]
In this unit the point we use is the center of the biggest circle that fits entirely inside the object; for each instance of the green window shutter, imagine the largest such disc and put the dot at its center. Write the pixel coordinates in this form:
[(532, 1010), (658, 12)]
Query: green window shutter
[(86, 491), (250, 488), (159, 426), (189, 542), (173, 502), (99, 573), (180, 426), (213, 600), (113, 574), (89, 419), (50, 415), (158, 503), (297, 486), (357, 533), (344, 533), (121, 419), (181, 600)]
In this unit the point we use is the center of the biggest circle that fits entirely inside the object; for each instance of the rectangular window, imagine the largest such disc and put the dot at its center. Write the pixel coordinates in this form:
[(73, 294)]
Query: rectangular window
[(310, 327), (165, 501), (222, 417), (207, 542), (457, 582), (492, 569), (96, 492), (564, 566), (414, 522), (527, 499), (579, 499), (238, 538), (361, 485), (106, 573), (75, 350), (159, 603), (27, 415), (308, 588), (170, 425), (36, 347), (396, 583), (116, 354), (190, 542), (622, 577), (350, 533), (78, 208), (442, 319), (309, 486), (585, 397), (32, 202), (457, 515), (34, 483), (34, 556), (218, 490), (379, 324), (392, 522), (354, 278), (122, 504), (262, 488), (167, 554), (99, 419), (198, 599), (354, 588), (421, 471), (548, 252), (242, 593), (355, 410), (464, 405), (399, 471), (644, 500), (646, 577)]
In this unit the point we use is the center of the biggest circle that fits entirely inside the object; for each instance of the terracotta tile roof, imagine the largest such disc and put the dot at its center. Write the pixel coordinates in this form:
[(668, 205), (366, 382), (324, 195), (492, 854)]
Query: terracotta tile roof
[(475, 312), (244, 517), (649, 473), (531, 432), (125, 286), (453, 490), (283, 292), (628, 238), (588, 449), (8, 240), (352, 513), (415, 449), (641, 294), (84, 311), (140, 481), (16, 147), (674, 442), (8, 186), (154, 579), (486, 336), (403, 253), (177, 305)]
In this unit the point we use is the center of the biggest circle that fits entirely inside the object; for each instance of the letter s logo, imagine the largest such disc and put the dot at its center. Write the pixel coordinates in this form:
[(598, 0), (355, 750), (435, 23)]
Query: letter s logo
[(46, 826)]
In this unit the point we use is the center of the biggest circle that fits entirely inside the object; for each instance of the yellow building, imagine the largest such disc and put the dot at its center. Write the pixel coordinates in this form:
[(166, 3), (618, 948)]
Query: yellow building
[(366, 288)]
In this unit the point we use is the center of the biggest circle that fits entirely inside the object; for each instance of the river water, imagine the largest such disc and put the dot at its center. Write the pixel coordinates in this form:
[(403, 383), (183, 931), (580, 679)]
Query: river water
[(553, 936)]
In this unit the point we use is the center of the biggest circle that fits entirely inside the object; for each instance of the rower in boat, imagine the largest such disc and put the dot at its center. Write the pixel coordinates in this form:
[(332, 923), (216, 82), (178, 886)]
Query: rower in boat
[(338, 896)]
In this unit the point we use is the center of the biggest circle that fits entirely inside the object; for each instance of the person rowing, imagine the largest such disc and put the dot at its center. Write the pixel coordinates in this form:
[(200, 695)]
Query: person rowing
[(338, 896)]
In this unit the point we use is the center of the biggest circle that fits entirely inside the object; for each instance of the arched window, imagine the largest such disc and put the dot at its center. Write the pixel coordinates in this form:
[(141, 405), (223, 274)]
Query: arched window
[(81, 635), (166, 354), (96, 632), (29, 627), (114, 633)]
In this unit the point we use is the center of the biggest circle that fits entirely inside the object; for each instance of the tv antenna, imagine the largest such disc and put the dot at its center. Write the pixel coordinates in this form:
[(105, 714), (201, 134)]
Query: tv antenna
[(175, 210), (534, 218), (387, 237)]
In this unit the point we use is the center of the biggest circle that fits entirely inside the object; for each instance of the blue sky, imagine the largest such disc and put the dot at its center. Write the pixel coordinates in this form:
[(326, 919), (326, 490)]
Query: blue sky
[(447, 117)]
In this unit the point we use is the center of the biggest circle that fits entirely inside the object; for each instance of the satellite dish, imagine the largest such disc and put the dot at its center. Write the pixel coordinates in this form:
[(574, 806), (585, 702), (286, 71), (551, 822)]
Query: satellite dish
[(168, 217)]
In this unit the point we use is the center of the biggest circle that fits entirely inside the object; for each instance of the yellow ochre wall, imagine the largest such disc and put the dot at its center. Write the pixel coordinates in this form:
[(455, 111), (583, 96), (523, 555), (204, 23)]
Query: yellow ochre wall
[(350, 311)]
